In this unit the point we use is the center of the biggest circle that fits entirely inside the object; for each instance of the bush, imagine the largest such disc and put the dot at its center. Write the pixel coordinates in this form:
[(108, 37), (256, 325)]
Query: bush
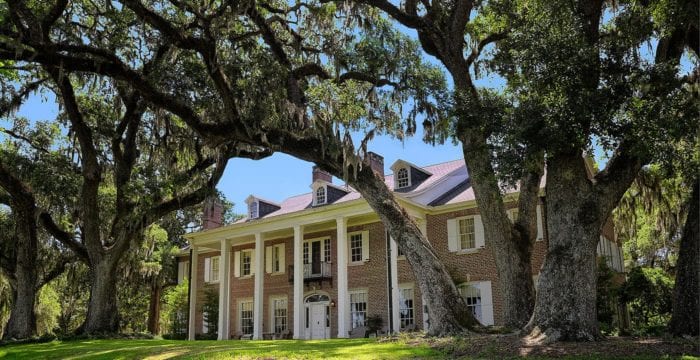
[(607, 299), (649, 294)]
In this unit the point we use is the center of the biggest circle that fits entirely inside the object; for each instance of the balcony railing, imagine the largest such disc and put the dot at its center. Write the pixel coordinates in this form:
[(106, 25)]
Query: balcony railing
[(313, 272)]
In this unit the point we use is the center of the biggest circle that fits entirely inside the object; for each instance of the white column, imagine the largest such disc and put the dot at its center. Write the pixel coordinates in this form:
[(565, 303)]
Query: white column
[(224, 289), (394, 283), (191, 330), (298, 282), (258, 297), (343, 297)]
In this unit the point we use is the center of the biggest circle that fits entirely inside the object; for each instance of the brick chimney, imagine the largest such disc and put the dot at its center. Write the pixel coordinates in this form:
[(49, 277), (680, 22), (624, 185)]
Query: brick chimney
[(376, 162), (213, 216), (318, 174)]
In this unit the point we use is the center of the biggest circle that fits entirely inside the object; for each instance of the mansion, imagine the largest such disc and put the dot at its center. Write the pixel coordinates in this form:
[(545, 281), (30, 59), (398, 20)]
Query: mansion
[(321, 265)]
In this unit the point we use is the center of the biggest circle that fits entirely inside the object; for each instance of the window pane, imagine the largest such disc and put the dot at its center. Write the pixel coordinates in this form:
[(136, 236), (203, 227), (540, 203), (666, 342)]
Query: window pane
[(467, 237), (246, 315), (402, 178), (280, 313), (245, 262), (321, 195), (356, 247), (358, 309), (472, 296), (406, 307)]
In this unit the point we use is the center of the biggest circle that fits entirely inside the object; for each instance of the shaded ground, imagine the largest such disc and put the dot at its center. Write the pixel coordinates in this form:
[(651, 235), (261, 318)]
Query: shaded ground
[(512, 346)]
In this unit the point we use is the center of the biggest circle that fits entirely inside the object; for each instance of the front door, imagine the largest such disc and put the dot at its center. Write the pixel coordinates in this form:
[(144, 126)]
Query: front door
[(318, 320)]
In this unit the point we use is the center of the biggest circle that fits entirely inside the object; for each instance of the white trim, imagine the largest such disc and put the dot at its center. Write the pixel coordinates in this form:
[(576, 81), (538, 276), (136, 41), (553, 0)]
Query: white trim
[(365, 247)]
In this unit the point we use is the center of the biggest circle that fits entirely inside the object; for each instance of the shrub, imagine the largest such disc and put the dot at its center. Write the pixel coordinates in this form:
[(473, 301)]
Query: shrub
[(649, 294)]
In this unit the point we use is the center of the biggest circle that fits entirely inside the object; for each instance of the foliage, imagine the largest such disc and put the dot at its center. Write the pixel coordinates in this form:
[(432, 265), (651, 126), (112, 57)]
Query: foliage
[(649, 294), (47, 310), (73, 290), (374, 324), (607, 298), (210, 312), (5, 301), (175, 311), (651, 215)]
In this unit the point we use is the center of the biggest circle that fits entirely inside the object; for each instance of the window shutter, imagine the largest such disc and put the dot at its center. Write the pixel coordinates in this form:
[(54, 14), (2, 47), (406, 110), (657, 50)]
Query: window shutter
[(268, 259), (540, 229), (452, 235), (282, 256), (486, 303), (365, 245), (207, 269), (252, 262), (237, 264), (479, 232)]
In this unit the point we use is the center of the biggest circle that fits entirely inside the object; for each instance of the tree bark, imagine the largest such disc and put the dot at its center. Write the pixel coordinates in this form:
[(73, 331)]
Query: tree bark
[(154, 308), (446, 308), (566, 294), (102, 313), (686, 298)]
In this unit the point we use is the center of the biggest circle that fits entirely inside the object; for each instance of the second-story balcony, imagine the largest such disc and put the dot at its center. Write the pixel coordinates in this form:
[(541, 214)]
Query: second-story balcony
[(317, 271)]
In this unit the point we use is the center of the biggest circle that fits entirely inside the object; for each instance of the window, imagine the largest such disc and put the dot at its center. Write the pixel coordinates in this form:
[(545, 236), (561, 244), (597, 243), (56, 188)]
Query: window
[(306, 252), (214, 276), (356, 247), (246, 262), (321, 195), (406, 307), (472, 296), (358, 308), (253, 210), (183, 271), (211, 269), (279, 315), (246, 317), (402, 180), (467, 235), (327, 250), (274, 259)]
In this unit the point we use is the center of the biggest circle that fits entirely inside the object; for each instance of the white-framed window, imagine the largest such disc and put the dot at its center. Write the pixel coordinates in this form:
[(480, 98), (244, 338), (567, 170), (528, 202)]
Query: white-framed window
[(320, 195), (358, 308), (211, 269), (274, 259), (406, 306), (244, 263), (245, 316), (477, 295), (327, 250), (253, 210), (402, 178), (465, 234), (359, 246), (278, 307)]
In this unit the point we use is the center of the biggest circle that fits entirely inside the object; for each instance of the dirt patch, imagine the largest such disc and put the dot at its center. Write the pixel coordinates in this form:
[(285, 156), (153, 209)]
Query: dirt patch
[(511, 346)]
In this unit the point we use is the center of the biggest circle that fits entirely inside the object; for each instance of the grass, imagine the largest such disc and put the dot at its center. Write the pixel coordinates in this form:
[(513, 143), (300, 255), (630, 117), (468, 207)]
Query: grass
[(174, 349), (402, 348)]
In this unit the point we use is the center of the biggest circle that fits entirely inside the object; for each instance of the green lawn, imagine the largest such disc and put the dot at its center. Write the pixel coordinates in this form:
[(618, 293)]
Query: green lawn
[(169, 349), (286, 349)]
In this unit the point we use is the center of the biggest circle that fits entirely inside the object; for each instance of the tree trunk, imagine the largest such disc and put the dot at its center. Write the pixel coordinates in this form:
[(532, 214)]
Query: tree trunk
[(512, 247), (102, 313), (154, 308), (22, 322), (447, 310), (565, 308), (686, 299)]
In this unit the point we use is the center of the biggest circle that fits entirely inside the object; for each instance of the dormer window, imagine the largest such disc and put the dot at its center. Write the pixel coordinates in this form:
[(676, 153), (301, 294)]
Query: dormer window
[(253, 210), (321, 195), (402, 179)]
